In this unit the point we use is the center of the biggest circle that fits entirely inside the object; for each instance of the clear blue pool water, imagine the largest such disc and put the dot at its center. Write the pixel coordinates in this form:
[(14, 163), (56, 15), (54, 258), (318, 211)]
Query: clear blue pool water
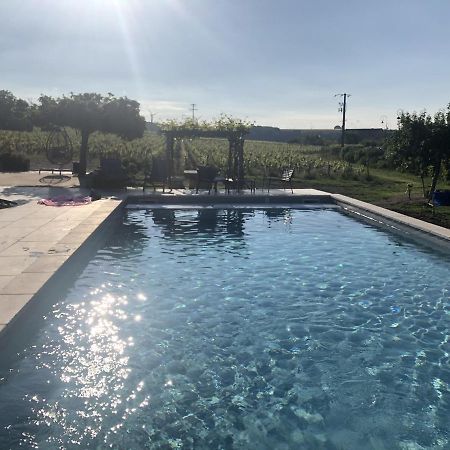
[(240, 329)]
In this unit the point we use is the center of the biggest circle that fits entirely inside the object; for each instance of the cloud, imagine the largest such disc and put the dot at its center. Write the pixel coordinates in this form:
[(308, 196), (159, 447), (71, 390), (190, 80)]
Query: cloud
[(163, 109)]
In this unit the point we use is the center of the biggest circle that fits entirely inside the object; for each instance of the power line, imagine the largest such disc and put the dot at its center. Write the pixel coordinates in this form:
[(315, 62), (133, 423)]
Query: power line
[(343, 109)]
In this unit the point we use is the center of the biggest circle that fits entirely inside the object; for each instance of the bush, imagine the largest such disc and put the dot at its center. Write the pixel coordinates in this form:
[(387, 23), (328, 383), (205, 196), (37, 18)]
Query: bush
[(348, 172), (353, 153), (14, 163), (357, 154)]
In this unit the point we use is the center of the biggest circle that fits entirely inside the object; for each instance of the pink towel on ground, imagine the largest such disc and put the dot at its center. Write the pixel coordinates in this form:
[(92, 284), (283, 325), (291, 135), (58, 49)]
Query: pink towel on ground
[(64, 200)]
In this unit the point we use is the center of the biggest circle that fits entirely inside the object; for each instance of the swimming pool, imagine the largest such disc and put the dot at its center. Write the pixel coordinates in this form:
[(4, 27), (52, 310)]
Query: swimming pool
[(246, 329)]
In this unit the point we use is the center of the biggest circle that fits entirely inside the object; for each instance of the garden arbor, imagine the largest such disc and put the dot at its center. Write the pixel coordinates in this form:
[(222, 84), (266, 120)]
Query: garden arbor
[(234, 130)]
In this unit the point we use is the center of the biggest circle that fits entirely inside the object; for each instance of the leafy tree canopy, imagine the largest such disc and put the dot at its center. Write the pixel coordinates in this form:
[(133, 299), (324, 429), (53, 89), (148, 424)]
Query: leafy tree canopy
[(14, 113), (422, 144), (226, 126), (89, 112), (233, 125), (185, 128)]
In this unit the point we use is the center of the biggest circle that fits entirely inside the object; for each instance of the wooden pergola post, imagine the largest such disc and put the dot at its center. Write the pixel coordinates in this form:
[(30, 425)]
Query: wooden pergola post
[(230, 165), (236, 160), (170, 138), (240, 175)]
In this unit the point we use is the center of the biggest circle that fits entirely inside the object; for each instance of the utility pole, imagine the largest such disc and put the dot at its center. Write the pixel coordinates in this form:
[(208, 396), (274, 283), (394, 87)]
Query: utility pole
[(193, 111), (152, 114), (343, 108)]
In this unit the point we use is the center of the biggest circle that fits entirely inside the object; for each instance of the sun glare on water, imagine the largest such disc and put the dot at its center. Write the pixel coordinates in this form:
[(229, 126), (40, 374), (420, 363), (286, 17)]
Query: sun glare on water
[(94, 365)]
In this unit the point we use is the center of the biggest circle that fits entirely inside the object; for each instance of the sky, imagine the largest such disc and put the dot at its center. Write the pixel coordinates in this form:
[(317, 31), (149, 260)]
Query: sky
[(272, 62)]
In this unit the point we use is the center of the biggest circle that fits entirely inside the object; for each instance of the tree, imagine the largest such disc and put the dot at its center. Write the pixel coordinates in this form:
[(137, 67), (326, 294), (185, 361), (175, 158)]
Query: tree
[(14, 113), (421, 145), (91, 112)]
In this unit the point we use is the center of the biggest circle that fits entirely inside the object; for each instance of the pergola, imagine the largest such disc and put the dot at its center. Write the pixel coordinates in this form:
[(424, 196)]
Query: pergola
[(227, 128)]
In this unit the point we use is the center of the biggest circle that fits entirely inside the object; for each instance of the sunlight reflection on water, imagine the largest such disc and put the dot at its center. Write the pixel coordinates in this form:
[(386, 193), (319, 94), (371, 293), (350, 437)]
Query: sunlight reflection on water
[(90, 361)]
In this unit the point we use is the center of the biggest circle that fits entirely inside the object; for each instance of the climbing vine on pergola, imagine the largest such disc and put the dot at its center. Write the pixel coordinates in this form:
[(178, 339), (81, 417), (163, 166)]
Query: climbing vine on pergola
[(225, 127)]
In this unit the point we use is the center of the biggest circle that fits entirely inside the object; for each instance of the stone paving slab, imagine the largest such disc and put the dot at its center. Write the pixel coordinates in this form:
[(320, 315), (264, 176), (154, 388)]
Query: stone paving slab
[(46, 264), (37, 249), (74, 238), (10, 306), (5, 280), (14, 265), (25, 283)]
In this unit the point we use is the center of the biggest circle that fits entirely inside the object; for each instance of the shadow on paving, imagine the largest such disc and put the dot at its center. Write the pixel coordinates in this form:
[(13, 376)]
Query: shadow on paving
[(24, 194), (54, 179)]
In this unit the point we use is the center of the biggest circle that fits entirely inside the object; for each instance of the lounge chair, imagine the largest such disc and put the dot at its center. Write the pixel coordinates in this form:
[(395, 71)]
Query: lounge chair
[(283, 179)]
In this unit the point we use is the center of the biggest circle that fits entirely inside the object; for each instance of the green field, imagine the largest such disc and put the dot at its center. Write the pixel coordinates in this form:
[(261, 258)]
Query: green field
[(315, 166)]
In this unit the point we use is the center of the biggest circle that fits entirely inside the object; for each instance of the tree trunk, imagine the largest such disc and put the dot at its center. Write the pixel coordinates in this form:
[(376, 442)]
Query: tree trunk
[(240, 163), (170, 142), (83, 152), (422, 178), (230, 165), (436, 173)]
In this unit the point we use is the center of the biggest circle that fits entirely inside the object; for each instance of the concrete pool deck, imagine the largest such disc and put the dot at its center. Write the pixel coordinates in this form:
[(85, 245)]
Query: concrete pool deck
[(37, 240)]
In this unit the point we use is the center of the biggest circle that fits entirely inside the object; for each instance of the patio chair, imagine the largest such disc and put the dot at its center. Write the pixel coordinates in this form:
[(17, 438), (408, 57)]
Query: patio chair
[(110, 174), (283, 179), (207, 178), (157, 175)]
